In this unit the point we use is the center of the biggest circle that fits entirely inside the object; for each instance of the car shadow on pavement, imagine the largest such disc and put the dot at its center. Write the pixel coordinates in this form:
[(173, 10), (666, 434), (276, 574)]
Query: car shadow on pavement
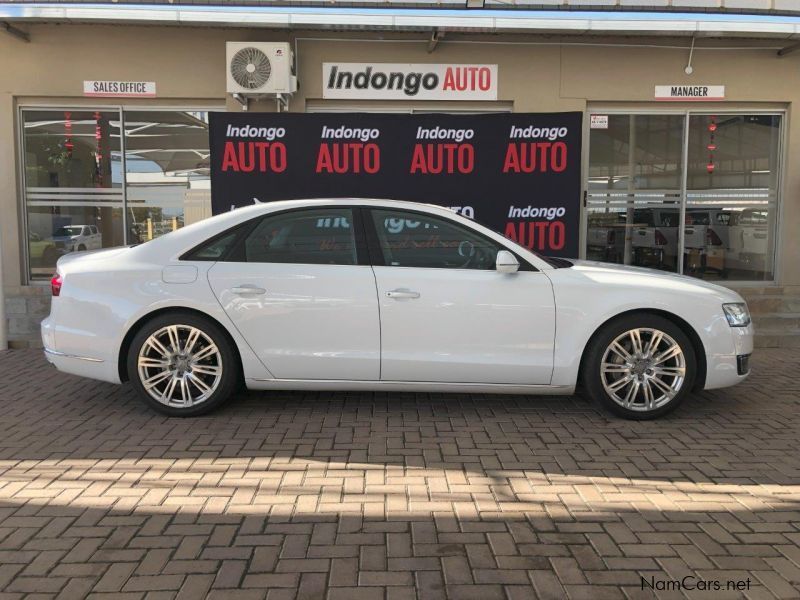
[(741, 435), (389, 495)]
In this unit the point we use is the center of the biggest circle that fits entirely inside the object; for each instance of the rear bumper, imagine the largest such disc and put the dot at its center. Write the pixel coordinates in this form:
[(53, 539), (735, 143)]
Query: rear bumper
[(80, 364)]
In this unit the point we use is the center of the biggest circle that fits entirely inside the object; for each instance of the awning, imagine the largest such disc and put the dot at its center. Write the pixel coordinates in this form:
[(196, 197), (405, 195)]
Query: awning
[(699, 24)]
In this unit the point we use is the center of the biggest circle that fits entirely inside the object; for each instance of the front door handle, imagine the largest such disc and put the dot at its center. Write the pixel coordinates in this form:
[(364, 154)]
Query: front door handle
[(402, 293), (248, 290)]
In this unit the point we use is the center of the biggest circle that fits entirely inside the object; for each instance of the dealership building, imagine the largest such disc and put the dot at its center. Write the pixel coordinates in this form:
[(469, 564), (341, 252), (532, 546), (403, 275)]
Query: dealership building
[(686, 120)]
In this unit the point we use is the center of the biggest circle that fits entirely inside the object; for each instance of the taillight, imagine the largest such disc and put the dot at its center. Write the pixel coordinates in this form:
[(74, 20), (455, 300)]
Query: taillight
[(712, 239), (660, 239), (55, 284)]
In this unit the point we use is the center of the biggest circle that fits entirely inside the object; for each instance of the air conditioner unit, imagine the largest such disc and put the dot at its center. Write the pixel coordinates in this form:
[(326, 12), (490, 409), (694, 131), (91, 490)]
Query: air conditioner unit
[(256, 68)]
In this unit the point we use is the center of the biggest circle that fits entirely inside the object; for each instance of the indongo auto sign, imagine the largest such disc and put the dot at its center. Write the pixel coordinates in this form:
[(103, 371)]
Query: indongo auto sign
[(395, 81), (519, 173)]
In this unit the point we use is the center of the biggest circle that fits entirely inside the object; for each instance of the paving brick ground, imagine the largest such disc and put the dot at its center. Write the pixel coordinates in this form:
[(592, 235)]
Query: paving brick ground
[(394, 496)]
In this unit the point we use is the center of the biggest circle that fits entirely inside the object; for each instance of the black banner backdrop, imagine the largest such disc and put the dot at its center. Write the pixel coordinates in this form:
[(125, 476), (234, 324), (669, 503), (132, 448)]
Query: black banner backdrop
[(519, 174)]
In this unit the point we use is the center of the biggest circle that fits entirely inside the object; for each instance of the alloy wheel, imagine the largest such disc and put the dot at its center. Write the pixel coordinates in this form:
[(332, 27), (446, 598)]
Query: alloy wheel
[(179, 366), (643, 369)]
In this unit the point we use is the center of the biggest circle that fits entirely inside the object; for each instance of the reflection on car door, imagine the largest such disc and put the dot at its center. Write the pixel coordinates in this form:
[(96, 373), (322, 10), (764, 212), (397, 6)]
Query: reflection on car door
[(446, 314), (302, 295)]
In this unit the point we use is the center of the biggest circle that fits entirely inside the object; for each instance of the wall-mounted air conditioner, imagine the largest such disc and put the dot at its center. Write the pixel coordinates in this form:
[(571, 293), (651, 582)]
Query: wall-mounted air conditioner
[(256, 68)]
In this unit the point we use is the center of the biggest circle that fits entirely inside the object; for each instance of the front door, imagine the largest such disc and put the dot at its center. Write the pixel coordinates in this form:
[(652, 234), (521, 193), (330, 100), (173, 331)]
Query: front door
[(300, 295), (447, 315)]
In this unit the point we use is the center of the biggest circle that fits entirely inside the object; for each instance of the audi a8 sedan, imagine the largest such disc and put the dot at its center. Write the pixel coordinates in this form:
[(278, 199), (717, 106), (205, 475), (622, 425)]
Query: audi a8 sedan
[(384, 295)]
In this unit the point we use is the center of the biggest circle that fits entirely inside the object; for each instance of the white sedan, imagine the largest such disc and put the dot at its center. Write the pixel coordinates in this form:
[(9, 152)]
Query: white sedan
[(384, 295)]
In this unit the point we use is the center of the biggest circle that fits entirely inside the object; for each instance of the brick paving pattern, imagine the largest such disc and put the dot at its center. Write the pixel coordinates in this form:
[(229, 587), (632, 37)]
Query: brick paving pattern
[(394, 496)]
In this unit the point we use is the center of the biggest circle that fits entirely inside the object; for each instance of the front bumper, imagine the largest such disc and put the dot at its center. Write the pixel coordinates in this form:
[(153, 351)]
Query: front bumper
[(724, 370), (743, 364)]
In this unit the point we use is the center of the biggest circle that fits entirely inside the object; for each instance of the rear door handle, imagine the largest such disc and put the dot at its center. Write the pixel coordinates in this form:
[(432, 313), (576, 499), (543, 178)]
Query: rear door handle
[(402, 293), (248, 290)]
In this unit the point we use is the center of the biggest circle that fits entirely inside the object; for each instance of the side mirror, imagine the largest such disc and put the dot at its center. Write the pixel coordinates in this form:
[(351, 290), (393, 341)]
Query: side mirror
[(506, 262)]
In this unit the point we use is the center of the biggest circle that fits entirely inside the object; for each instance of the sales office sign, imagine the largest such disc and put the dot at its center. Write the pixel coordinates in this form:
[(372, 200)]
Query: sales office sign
[(120, 89), (402, 81)]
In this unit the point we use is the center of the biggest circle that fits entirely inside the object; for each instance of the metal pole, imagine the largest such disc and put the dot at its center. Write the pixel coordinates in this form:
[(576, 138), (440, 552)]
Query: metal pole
[(629, 213), (684, 198), (124, 167), (3, 322)]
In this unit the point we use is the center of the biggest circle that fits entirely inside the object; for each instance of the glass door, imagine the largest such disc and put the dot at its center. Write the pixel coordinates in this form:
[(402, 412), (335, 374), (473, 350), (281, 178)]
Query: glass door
[(733, 177), (688, 192), (107, 177), (73, 184), (167, 170), (634, 191)]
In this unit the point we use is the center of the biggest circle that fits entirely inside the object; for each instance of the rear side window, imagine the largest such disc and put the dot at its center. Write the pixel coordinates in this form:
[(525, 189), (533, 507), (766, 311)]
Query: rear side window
[(318, 237), (214, 249)]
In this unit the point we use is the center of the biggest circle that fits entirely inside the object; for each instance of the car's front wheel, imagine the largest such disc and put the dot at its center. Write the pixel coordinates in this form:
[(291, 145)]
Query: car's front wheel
[(640, 366), (182, 365)]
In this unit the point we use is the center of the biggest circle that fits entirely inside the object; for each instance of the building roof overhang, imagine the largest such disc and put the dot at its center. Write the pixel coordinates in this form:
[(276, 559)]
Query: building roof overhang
[(494, 20)]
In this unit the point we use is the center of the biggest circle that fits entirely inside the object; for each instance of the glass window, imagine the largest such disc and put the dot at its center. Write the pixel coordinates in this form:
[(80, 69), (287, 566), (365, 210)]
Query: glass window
[(732, 196), (638, 152), (636, 193), (408, 239), (633, 200), (79, 197), (166, 169), (73, 184), (317, 237), (215, 249)]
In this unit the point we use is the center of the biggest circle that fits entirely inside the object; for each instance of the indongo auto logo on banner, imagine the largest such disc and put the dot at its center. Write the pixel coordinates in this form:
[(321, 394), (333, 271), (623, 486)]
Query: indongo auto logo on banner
[(396, 81)]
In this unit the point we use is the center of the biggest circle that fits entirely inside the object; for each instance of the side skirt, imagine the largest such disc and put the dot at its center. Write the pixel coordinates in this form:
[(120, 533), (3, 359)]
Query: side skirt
[(407, 386)]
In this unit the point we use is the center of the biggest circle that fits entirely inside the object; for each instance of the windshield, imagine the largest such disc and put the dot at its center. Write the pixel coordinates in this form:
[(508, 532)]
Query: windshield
[(70, 230)]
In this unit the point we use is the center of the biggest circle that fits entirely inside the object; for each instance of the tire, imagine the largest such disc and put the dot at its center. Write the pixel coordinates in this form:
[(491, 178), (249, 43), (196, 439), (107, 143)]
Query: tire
[(81, 248), (630, 399), (205, 369)]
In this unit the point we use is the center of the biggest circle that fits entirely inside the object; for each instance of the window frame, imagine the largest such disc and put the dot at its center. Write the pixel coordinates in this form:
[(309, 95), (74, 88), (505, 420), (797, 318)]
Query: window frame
[(378, 259)]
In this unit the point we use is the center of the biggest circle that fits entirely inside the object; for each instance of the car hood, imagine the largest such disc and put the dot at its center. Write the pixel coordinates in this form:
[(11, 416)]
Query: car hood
[(641, 276)]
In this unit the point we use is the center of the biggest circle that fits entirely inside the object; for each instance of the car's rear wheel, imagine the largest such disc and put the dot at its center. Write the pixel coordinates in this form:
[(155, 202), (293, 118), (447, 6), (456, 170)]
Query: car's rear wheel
[(182, 365), (640, 366)]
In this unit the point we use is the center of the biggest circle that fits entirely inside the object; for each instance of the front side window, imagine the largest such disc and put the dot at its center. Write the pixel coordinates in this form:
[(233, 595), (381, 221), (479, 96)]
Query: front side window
[(315, 237), (409, 239)]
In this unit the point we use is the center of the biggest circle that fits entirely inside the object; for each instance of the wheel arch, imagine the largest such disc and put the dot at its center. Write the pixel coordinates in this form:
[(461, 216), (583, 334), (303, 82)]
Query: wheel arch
[(694, 338), (122, 357)]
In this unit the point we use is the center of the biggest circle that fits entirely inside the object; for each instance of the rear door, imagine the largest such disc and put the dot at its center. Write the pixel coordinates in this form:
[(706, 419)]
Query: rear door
[(446, 314), (300, 290)]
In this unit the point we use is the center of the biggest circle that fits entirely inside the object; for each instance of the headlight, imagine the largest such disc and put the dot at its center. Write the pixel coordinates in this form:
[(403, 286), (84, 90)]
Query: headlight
[(737, 314)]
